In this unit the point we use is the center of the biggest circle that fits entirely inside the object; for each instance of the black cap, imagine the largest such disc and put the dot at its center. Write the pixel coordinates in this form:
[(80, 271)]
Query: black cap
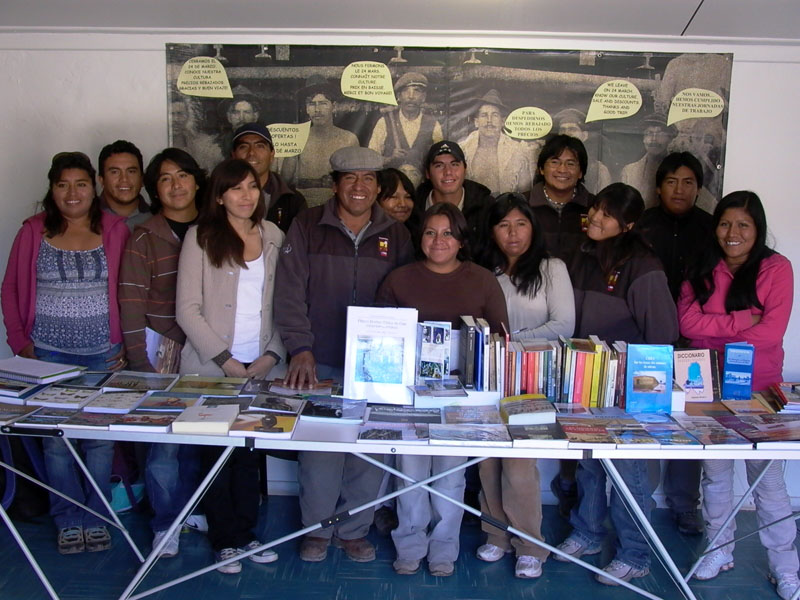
[(444, 147), (254, 128)]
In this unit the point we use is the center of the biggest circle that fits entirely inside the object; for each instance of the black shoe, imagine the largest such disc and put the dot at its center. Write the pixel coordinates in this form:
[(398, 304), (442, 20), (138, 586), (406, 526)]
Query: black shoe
[(689, 522), (385, 520), (567, 496)]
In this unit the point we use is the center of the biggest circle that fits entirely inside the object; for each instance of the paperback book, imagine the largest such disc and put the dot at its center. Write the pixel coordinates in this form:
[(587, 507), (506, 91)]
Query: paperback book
[(380, 354), (263, 424), (648, 385), (89, 379), (144, 421), (458, 414), (383, 413), (672, 436), (433, 350), (31, 370), (737, 372), (169, 401), (205, 420), (328, 409), (86, 420), (58, 396), (527, 409), (240, 402), (391, 433), (440, 388), (324, 387), (469, 435), (546, 435), (697, 371), (143, 382), (277, 403), (114, 402), (213, 386), (45, 418), (17, 391), (10, 412)]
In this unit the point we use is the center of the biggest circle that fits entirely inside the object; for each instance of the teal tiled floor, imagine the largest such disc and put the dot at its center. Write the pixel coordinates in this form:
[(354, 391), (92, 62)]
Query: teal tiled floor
[(105, 575)]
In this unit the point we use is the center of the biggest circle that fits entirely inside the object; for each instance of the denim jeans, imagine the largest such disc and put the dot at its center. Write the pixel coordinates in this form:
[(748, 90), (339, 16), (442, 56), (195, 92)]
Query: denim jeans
[(63, 473), (589, 514)]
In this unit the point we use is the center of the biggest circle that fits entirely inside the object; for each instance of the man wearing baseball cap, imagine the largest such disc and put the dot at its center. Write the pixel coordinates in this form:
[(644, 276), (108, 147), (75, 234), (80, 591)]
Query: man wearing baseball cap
[(403, 135), (334, 256), (445, 171), (253, 142)]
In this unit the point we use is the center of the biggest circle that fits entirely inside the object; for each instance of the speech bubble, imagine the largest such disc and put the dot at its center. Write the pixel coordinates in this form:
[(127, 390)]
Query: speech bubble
[(368, 80), (528, 123), (204, 76), (614, 99), (289, 139), (692, 103)]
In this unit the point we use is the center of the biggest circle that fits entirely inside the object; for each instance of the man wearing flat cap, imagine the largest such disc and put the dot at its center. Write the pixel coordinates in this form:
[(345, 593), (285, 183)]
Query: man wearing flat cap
[(244, 107), (642, 173), (403, 135), (495, 160), (253, 142), (334, 256)]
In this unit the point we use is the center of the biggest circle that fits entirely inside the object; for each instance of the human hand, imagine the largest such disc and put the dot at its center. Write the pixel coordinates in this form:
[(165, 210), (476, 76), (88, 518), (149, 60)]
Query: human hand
[(27, 352), (302, 371), (234, 368), (261, 366)]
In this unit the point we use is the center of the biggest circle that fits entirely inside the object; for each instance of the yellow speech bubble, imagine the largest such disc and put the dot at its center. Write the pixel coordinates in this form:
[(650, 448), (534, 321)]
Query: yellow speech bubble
[(528, 123), (289, 139), (368, 80), (615, 99), (204, 76), (692, 103)]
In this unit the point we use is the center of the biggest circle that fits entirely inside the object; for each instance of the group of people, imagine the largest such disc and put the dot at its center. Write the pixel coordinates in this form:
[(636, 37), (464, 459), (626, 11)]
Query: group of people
[(239, 275)]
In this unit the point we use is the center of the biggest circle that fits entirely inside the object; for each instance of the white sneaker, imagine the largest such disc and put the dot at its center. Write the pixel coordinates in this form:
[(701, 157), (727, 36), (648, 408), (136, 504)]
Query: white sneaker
[(713, 563), (197, 522), (171, 548), (621, 570), (786, 584), (231, 568), (528, 567), (576, 547), (491, 553), (263, 557)]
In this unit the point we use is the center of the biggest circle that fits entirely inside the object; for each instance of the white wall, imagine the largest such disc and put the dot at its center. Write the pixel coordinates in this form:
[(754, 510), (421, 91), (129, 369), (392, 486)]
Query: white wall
[(79, 91)]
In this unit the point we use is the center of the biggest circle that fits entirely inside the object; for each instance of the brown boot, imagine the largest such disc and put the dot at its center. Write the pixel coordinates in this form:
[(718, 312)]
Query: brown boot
[(359, 549), (313, 549)]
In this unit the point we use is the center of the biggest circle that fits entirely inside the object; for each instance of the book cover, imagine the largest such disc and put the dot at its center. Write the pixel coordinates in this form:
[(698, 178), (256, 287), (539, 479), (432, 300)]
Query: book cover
[(749, 406), (169, 401), (58, 396), (737, 372), (383, 413), (648, 384), (630, 437), (241, 402), (672, 436), (693, 370), (433, 350), (527, 409), (114, 402), (86, 420), (18, 390), (143, 382), (458, 414), (31, 370), (441, 388), (469, 334), (380, 359), (213, 386), (586, 435), (323, 387), (720, 438), (10, 412), (545, 435), (145, 421), (392, 433), (327, 409), (205, 420), (263, 424), (44, 417), (469, 435), (277, 403), (89, 379)]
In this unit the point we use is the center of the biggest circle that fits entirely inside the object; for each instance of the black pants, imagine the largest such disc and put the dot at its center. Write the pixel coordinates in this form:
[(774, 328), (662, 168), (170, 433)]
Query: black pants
[(231, 502)]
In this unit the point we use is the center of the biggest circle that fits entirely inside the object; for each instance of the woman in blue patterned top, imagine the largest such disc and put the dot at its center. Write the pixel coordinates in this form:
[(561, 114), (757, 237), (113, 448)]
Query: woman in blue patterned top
[(59, 299)]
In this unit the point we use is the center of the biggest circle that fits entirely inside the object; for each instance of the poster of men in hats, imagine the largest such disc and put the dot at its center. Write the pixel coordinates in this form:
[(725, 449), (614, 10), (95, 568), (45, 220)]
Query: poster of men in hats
[(629, 109)]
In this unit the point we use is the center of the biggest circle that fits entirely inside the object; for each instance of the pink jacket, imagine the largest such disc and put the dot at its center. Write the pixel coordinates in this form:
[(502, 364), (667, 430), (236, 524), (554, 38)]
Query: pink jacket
[(18, 292), (709, 326)]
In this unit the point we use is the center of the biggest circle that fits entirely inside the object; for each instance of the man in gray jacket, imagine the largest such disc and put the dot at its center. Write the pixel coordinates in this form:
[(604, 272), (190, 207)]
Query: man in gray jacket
[(334, 256)]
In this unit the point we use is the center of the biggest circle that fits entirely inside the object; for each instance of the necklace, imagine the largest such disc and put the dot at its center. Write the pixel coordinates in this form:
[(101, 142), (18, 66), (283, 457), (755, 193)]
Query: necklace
[(558, 206)]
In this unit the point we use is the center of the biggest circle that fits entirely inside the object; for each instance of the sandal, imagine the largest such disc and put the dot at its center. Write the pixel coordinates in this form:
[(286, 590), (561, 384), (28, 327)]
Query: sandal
[(97, 539), (70, 540)]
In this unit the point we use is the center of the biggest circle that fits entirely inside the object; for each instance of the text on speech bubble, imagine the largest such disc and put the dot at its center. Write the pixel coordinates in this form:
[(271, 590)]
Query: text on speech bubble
[(614, 99), (204, 76), (368, 80)]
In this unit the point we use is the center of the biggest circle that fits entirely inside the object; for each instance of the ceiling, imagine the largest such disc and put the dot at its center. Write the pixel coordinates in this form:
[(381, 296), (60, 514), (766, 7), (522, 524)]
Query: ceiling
[(770, 19)]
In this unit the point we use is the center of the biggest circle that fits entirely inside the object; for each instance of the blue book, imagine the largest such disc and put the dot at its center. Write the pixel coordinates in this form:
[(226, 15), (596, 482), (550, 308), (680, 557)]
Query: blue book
[(737, 371), (648, 378)]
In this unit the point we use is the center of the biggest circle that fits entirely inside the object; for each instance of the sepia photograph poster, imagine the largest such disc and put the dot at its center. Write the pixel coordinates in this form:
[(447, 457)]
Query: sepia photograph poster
[(630, 109)]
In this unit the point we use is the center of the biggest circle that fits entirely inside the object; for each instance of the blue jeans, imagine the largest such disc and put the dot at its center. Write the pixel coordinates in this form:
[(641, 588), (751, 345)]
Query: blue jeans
[(63, 473), (589, 514), (169, 481)]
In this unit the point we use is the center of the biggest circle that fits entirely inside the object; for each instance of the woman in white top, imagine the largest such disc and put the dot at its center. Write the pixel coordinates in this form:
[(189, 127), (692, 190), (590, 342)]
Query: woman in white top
[(226, 278), (540, 305)]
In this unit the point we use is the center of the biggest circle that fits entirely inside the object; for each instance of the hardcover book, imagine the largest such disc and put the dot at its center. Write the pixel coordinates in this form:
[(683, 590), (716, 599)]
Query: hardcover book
[(648, 382), (380, 354)]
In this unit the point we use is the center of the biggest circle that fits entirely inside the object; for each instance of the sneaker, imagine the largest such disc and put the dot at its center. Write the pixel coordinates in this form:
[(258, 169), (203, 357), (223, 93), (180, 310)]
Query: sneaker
[(567, 494), (171, 548), (621, 570), (313, 549), (70, 540), (385, 520), (576, 547), (359, 549), (97, 538), (786, 584), (712, 564), (442, 569), (263, 557), (231, 568), (528, 567), (689, 522), (405, 567), (491, 553), (198, 523)]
